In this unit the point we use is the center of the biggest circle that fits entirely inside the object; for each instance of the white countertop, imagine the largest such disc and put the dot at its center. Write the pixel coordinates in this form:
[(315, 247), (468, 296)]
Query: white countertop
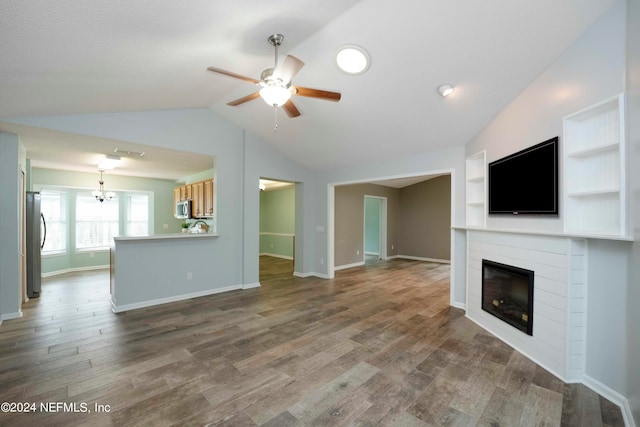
[(166, 236)]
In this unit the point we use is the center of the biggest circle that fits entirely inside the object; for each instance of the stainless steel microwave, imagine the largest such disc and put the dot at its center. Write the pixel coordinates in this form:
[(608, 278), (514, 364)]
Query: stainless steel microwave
[(183, 209)]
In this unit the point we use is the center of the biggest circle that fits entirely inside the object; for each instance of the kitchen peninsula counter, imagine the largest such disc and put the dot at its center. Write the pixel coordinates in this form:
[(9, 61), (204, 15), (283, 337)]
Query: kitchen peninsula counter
[(166, 236), (164, 268)]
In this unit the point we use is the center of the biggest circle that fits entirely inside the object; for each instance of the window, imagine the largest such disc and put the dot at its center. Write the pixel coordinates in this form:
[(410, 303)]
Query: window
[(137, 215), (96, 223), (52, 206)]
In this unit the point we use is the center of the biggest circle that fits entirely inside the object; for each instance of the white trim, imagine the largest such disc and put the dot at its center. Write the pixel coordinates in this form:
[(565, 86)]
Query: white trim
[(313, 274), (372, 253), (268, 233), (290, 258), (251, 285), (613, 396), (176, 298), (548, 233), (498, 335), (75, 269), (459, 305), (9, 316), (345, 266), (418, 258)]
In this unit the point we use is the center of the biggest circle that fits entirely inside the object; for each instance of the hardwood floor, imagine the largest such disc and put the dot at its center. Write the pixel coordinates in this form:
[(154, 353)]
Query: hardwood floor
[(378, 345)]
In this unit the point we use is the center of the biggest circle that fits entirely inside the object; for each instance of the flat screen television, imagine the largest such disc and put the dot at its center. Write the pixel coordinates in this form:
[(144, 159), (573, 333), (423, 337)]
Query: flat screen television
[(526, 182)]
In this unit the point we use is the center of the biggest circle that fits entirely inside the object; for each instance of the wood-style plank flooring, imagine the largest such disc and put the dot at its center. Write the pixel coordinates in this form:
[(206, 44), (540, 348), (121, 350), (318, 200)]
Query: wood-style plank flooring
[(378, 345)]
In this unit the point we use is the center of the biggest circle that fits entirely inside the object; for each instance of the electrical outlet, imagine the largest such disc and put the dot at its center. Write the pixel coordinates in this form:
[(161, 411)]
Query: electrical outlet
[(91, 254), (189, 276), (321, 260), (357, 251), (271, 246), (165, 226), (392, 247)]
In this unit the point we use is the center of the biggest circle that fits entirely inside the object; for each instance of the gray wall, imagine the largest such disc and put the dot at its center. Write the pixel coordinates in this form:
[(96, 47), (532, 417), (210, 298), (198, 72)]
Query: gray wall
[(418, 220), (424, 219), (349, 214), (11, 273)]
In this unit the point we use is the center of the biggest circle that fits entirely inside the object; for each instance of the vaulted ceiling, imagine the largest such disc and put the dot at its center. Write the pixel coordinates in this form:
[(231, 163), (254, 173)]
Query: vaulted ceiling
[(73, 57)]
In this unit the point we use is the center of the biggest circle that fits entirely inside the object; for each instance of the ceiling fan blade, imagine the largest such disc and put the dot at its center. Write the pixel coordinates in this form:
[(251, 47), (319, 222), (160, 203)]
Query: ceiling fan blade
[(316, 93), (244, 99), (234, 75), (288, 68), (291, 109)]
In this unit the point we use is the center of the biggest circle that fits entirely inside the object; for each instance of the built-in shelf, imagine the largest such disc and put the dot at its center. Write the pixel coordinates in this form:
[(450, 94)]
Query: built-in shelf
[(595, 150), (594, 172), (475, 172)]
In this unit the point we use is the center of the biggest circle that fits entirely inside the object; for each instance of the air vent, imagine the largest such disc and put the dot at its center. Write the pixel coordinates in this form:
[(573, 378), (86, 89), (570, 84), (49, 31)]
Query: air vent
[(128, 153)]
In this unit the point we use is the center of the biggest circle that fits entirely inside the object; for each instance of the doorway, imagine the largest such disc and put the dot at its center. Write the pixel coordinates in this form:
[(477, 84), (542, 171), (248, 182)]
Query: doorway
[(375, 228), (277, 238)]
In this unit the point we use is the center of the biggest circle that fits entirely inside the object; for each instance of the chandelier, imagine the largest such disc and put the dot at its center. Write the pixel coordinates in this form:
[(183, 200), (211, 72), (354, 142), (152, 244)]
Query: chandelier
[(100, 195)]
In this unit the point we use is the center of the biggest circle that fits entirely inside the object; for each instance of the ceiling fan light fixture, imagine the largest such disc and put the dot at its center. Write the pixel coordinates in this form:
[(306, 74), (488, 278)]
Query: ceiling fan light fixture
[(445, 90), (275, 95), (353, 59)]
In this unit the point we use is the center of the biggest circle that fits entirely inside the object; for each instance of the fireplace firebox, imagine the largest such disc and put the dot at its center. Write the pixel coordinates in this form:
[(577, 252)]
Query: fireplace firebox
[(507, 293)]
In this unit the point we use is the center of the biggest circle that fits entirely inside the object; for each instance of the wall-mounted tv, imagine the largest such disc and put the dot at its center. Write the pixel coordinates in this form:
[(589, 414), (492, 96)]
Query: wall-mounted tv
[(526, 182)]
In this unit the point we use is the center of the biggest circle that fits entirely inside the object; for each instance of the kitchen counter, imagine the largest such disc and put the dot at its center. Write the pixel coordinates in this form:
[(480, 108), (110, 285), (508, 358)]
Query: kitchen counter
[(166, 236), (163, 268)]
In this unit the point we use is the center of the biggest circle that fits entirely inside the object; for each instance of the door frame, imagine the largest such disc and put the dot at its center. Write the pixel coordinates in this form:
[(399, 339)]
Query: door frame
[(382, 227)]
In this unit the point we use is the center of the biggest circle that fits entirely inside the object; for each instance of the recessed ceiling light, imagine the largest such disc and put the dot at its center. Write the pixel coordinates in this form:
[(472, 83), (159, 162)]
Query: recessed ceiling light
[(445, 90), (353, 59)]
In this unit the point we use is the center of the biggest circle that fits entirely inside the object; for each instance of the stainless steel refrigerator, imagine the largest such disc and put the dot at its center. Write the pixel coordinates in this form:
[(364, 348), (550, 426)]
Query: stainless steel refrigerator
[(36, 235)]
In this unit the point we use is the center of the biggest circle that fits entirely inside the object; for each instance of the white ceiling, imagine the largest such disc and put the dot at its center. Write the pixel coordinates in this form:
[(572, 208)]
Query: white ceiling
[(75, 57)]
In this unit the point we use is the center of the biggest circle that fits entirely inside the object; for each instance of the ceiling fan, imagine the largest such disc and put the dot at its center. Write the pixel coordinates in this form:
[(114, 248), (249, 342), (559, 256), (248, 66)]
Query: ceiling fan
[(276, 83)]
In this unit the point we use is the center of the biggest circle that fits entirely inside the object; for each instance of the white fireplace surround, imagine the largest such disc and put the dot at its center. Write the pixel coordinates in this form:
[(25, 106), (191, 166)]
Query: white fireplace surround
[(559, 296)]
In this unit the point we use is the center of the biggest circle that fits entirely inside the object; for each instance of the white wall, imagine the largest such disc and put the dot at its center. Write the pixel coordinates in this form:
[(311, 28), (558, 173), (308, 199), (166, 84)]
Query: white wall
[(589, 71), (633, 143)]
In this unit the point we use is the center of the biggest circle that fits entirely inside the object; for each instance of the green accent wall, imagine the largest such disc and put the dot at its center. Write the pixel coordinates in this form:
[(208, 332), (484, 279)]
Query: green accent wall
[(277, 222), (161, 210)]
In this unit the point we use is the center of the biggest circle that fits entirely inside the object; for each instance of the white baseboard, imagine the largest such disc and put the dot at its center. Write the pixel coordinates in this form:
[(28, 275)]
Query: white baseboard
[(459, 305), (74, 270), (276, 256), (613, 396), (342, 267), (9, 316), (251, 285), (372, 253), (320, 275), (417, 258), (586, 380), (143, 304)]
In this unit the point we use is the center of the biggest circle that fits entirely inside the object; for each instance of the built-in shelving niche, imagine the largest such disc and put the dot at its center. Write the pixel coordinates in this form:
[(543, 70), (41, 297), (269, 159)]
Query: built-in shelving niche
[(594, 170), (475, 173)]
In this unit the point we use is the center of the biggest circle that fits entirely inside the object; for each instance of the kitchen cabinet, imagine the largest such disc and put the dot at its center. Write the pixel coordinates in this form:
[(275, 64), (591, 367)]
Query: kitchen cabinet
[(197, 199), (201, 196), (208, 197)]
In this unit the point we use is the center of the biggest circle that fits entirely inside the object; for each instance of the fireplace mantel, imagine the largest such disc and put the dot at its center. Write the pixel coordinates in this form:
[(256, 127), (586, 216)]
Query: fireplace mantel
[(559, 331), (548, 233)]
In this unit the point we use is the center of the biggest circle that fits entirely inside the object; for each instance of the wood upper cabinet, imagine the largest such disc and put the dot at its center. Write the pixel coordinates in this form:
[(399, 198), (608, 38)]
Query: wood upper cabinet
[(185, 192), (197, 200), (176, 196), (208, 197), (201, 196)]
